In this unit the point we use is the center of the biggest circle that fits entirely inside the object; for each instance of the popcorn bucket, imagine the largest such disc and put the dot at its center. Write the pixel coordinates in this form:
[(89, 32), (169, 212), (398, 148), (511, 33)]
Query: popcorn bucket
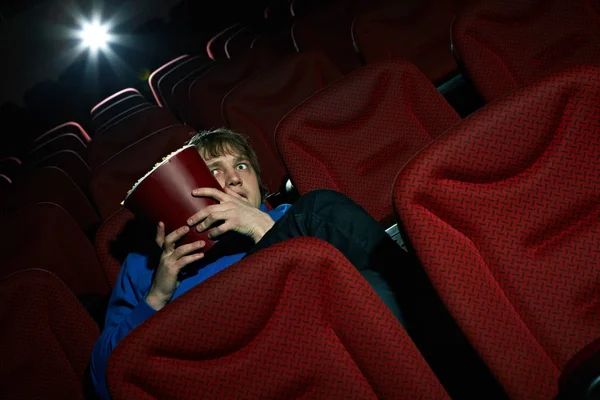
[(165, 193)]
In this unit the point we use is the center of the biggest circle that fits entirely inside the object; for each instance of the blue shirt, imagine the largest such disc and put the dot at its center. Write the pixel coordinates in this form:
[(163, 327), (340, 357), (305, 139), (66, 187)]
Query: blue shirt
[(127, 307)]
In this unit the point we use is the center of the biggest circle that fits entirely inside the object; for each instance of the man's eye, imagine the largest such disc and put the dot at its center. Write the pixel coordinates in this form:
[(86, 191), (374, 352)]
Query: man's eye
[(214, 171), (242, 166)]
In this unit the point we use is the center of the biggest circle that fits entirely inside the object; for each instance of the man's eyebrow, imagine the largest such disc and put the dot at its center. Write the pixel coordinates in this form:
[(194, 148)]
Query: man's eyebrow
[(241, 158), (215, 163)]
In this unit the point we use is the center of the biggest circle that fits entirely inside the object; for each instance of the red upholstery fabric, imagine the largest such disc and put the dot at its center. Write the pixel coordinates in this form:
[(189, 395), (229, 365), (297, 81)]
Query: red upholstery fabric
[(112, 179), (208, 90), (46, 338), (256, 105), (417, 31), (295, 320), (127, 131), (354, 135), (45, 236), (503, 213), (504, 45), (112, 258), (51, 184), (328, 30)]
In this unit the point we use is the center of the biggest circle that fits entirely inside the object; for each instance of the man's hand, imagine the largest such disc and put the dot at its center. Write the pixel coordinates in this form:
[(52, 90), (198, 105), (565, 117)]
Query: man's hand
[(172, 260), (236, 213)]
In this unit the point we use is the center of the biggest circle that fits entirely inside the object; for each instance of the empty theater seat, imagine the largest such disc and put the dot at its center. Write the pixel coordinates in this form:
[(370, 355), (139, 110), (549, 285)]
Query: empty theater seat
[(418, 31), (240, 41), (11, 167), (47, 338), (52, 184), (274, 312), (354, 135), (65, 141), (329, 30), (70, 162), (502, 211), (215, 48), (256, 105), (164, 80), (117, 107), (45, 236), (206, 92), (503, 45), (129, 130), (116, 175), (71, 128)]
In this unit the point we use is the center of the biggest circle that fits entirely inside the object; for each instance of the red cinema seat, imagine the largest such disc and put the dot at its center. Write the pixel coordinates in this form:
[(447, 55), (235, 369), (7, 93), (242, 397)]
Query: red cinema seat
[(72, 128), (52, 184), (45, 236), (115, 108), (295, 320), (418, 31), (70, 162), (256, 105), (502, 211), (329, 30), (240, 41), (215, 48), (129, 130), (11, 167), (206, 92), (504, 45), (112, 179), (66, 141), (163, 81), (354, 135), (47, 338)]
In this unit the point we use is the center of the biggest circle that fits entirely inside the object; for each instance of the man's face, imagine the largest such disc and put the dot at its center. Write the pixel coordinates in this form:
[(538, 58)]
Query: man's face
[(234, 171)]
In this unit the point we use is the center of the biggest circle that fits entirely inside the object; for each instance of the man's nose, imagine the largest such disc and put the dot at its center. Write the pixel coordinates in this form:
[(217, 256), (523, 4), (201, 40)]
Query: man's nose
[(233, 178)]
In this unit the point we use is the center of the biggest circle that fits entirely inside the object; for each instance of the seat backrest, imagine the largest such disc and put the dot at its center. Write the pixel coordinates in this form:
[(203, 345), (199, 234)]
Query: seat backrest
[(256, 105), (114, 177), (45, 236), (503, 45), (354, 135), (206, 92), (240, 41), (51, 184), (71, 163), (68, 127), (65, 141), (328, 30), (215, 48), (10, 166), (423, 27), (115, 107), (502, 212), (47, 338), (127, 131), (163, 80), (274, 312)]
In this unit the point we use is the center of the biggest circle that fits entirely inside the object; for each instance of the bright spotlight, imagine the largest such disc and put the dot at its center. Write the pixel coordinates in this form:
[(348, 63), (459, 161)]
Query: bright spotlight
[(94, 35)]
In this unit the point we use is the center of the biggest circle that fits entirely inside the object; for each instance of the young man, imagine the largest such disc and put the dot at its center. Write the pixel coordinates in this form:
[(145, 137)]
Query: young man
[(144, 287)]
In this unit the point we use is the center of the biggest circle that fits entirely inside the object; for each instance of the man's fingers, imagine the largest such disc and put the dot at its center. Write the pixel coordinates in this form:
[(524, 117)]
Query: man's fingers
[(214, 233), (218, 195), (187, 249), (174, 236), (160, 234), (213, 217), (187, 260), (202, 214)]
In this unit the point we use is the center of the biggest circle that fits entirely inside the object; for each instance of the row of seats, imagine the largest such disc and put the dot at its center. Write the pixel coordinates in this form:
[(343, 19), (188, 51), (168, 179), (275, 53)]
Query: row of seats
[(496, 209), (383, 135)]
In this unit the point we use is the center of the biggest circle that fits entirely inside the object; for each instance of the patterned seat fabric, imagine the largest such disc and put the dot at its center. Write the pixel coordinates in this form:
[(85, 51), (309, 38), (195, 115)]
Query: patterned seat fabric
[(503, 45), (295, 320), (47, 338), (503, 213), (354, 135)]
